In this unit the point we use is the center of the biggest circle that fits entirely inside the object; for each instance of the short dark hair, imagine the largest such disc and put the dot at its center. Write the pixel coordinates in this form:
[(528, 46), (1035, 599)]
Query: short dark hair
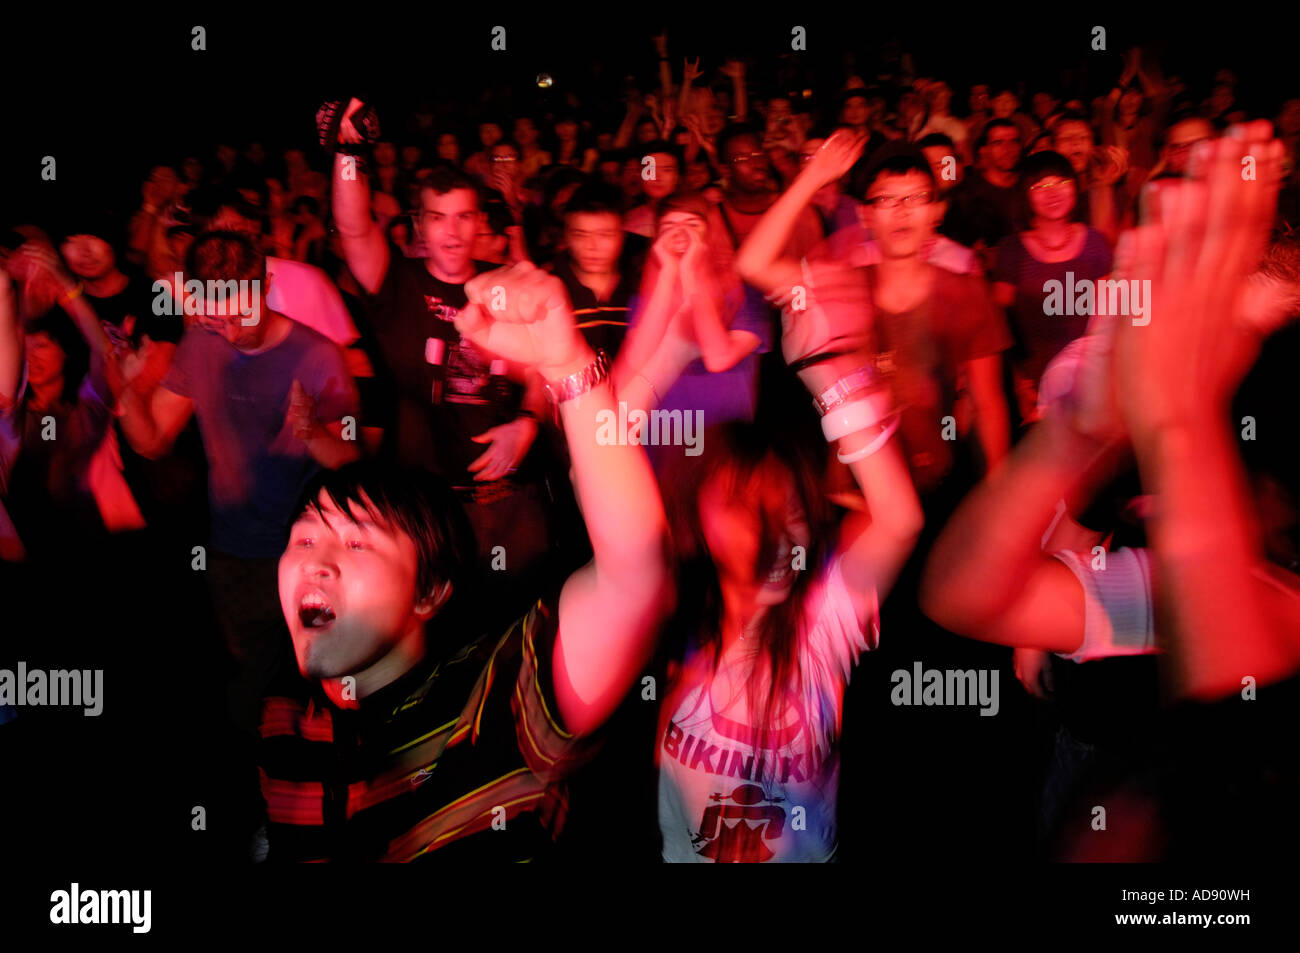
[(663, 147), (222, 255), (734, 131), (989, 126), (412, 501), (447, 178), (595, 198), (896, 158), (937, 139)]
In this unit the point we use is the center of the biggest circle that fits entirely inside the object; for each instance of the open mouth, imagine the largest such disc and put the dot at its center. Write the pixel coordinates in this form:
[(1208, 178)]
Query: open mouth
[(314, 611), (782, 566)]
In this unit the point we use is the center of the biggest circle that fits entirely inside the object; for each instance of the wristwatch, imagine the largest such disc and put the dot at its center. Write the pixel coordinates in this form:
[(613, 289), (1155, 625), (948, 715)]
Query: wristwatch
[(578, 383)]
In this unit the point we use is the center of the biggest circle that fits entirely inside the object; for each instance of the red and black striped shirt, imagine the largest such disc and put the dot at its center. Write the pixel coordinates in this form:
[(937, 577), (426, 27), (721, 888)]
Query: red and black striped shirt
[(464, 757)]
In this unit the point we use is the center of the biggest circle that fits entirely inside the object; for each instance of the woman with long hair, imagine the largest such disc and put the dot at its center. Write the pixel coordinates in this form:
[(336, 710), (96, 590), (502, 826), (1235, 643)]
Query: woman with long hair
[(776, 603)]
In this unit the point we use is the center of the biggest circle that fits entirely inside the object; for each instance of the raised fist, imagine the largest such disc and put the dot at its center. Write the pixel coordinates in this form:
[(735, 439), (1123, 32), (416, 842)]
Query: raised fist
[(522, 314)]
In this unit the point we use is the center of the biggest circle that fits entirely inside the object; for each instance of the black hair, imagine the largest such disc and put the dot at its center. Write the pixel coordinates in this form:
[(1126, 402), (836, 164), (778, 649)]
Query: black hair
[(983, 139), (937, 139), (595, 198), (1036, 167), (664, 147), (76, 354), (447, 178), (498, 214), (734, 131), (896, 158), (222, 255), (1070, 116), (416, 503)]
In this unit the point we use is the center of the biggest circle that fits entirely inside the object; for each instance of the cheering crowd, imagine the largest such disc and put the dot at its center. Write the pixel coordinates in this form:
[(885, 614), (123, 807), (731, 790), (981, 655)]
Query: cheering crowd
[(471, 484)]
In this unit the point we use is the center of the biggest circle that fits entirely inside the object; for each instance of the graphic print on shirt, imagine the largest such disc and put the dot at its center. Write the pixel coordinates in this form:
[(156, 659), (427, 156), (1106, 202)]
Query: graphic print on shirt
[(468, 371), (744, 824)]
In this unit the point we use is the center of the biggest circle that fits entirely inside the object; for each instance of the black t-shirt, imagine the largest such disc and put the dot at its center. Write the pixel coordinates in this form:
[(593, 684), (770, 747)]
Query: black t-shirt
[(444, 389), (129, 315), (979, 210)]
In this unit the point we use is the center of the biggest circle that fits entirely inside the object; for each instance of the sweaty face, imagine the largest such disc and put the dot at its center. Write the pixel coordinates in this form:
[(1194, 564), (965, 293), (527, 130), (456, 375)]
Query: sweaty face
[(901, 230), (595, 240), (751, 531), (88, 256), (448, 224), (347, 589), (666, 176)]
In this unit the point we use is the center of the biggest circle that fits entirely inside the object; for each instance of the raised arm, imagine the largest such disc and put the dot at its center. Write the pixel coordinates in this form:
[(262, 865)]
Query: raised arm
[(364, 246), (1226, 618), (760, 259), (611, 608)]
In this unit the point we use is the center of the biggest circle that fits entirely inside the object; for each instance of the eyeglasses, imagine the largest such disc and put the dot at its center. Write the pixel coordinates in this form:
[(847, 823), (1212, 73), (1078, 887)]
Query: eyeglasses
[(1046, 185), (746, 159), (1005, 142), (504, 159), (893, 201)]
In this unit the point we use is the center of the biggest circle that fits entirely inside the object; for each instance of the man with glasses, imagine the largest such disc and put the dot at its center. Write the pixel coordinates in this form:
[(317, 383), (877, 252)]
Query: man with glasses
[(751, 191), (937, 332)]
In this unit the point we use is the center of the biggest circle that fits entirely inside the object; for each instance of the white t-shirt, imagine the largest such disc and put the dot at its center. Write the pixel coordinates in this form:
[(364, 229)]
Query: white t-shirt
[(723, 801)]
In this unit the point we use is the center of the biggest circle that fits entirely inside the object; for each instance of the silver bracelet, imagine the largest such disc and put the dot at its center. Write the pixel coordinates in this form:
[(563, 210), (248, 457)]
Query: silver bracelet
[(848, 386), (578, 383)]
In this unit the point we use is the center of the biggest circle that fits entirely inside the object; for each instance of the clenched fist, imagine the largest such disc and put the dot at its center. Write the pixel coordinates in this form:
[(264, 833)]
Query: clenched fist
[(523, 315)]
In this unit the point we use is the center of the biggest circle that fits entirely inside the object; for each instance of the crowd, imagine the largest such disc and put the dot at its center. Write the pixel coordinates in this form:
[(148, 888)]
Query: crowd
[(602, 475)]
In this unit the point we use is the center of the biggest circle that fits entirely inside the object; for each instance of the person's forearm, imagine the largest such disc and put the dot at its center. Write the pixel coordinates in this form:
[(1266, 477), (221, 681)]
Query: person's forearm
[(644, 339), (138, 424), (720, 347), (617, 489), (87, 322), (992, 428), (763, 248), (363, 245), (1103, 213), (994, 539), (1206, 544), (738, 96)]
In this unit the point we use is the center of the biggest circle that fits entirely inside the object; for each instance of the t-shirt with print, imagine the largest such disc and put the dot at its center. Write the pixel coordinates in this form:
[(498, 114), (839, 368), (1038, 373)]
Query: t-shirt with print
[(129, 315), (446, 391), (921, 354), (257, 468), (1041, 336), (725, 799)]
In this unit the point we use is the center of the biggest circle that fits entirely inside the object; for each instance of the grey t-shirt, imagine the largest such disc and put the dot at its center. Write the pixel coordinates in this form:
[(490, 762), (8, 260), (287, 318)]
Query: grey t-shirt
[(257, 468)]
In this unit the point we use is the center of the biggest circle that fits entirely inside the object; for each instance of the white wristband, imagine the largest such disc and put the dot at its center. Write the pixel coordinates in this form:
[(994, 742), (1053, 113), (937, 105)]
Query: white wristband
[(866, 411), (881, 439)]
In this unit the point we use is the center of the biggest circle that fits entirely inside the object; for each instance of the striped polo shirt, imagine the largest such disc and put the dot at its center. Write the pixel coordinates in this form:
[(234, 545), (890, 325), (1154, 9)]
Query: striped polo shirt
[(462, 758), (603, 323)]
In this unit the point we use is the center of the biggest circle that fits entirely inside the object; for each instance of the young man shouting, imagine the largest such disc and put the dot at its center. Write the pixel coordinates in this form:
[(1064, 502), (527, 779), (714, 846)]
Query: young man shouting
[(417, 735)]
